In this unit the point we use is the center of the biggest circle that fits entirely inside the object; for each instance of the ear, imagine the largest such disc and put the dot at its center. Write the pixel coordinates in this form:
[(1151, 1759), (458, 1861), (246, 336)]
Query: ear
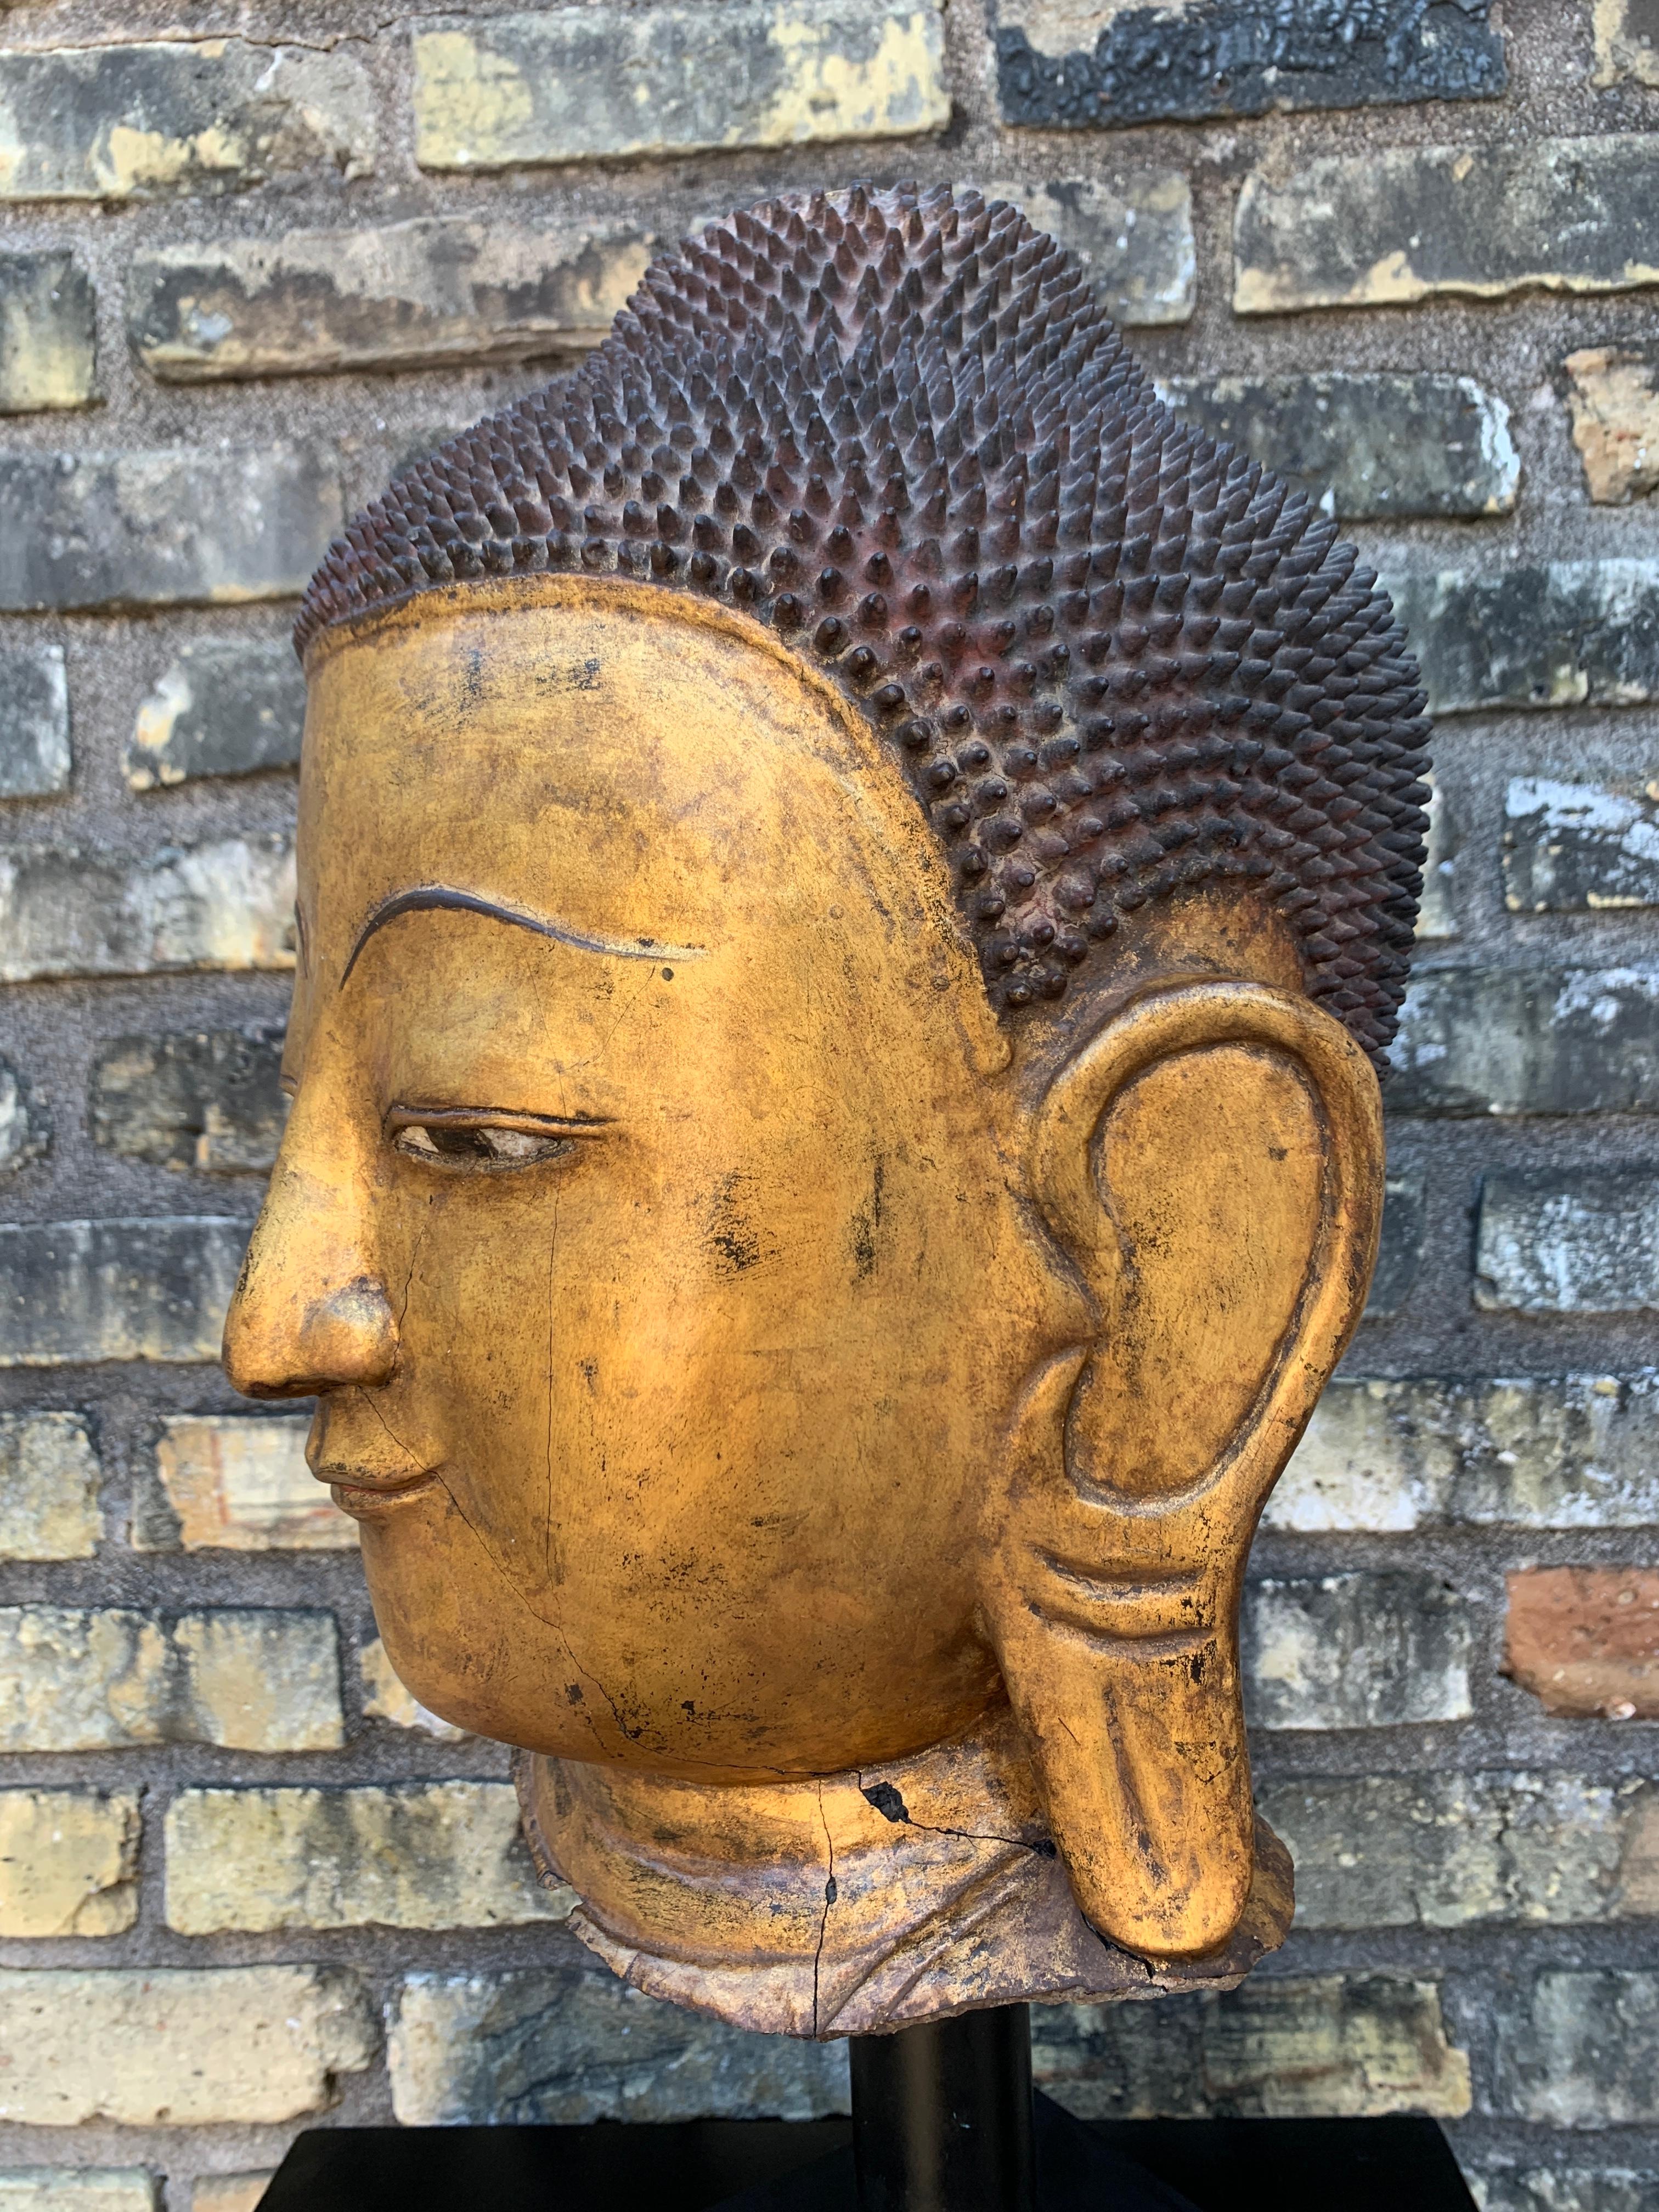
[(1212, 1163)]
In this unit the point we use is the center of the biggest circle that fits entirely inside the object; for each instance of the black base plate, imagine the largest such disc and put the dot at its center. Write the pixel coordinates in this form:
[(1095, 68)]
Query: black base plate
[(806, 2166)]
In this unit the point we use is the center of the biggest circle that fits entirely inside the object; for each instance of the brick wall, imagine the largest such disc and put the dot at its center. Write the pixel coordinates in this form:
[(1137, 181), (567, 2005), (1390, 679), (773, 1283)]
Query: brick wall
[(245, 268)]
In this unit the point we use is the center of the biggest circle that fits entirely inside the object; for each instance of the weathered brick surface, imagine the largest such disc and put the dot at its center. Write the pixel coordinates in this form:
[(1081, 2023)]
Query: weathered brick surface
[(77, 2189), (1355, 1651), (1569, 1451), (1575, 2047), (34, 722), (1401, 1248), (386, 1698), (208, 1100), (1579, 1240), (1626, 43), (1132, 233), (1397, 224), (1437, 911), (1329, 2044), (239, 1483), (1615, 421), (409, 296), (76, 1291), (1528, 1041), (576, 2044), (171, 117), (1567, 2189), (68, 1859), (1568, 634), (427, 1855), (184, 2046), (1217, 57), (571, 84), (49, 1483), (1579, 847), (224, 707), (189, 528), (226, 904), (1369, 446), (251, 1679), (1586, 1639), (25, 1122), (48, 332)]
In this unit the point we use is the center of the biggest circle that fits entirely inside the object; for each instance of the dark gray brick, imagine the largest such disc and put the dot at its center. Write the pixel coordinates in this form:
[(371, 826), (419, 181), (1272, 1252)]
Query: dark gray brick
[(1575, 1241), (224, 905), (1400, 1250), (1398, 223), (1573, 2188), (194, 526), (34, 721), (1157, 63), (1133, 233), (208, 1099), (1367, 448), (412, 295), (1528, 1041), (1579, 2049), (25, 1123), (577, 84), (1579, 847), (48, 319), (171, 117), (225, 707), (72, 1292), (1354, 1652), (1571, 633)]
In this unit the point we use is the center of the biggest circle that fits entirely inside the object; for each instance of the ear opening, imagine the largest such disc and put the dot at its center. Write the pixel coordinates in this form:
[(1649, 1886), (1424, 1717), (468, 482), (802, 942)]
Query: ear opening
[(1211, 1163)]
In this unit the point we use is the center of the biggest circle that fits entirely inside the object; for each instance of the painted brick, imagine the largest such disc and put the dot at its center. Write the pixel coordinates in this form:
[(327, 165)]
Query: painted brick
[(534, 2047), (172, 118), (1571, 633), (72, 1292), (49, 1479), (228, 904), (1429, 1851), (48, 321), (1585, 1640), (1567, 1451), (207, 1100), (34, 722), (1579, 847), (77, 2189), (1368, 446), (1341, 2045), (225, 707), (1577, 2048), (1626, 42), (230, 2192), (1567, 2189), (183, 2047), (196, 526), (1437, 910), (1400, 1249), (423, 1855), (69, 1863), (576, 84), (413, 295), (239, 1483), (1615, 420), (1395, 224), (1133, 233), (1528, 1041), (1152, 62), (386, 1698), (249, 1679), (25, 1122), (1356, 1650), (1576, 1241)]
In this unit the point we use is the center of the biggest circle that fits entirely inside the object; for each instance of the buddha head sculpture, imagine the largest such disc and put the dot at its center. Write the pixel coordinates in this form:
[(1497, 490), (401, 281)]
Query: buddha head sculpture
[(853, 873)]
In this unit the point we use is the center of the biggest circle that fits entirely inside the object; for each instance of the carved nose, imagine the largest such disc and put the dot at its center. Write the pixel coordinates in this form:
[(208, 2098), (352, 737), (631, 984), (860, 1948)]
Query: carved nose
[(346, 1335)]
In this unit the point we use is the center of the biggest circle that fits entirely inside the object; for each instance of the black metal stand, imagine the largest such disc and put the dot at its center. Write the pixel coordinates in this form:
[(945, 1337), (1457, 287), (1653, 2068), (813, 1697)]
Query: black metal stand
[(942, 2117)]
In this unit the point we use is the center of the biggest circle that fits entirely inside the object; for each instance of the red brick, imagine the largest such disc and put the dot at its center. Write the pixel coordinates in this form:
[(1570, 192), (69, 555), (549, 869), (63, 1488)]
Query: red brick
[(1586, 1639)]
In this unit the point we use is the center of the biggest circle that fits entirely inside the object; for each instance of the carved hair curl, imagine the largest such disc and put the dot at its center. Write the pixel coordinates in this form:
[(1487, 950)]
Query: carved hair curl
[(1113, 658)]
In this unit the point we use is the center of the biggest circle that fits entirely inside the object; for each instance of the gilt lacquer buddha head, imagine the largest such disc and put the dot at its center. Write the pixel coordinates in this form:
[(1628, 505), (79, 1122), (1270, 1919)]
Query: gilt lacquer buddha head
[(853, 872)]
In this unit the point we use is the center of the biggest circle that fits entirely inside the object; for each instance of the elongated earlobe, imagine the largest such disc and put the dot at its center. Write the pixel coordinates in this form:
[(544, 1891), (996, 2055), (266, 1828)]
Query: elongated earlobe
[(1212, 1164)]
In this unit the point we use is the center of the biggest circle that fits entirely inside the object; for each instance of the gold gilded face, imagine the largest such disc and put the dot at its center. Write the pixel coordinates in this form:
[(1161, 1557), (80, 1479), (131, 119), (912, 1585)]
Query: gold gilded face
[(646, 1224)]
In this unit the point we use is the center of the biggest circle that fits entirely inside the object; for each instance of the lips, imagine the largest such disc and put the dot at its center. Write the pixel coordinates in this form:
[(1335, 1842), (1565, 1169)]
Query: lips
[(366, 1501)]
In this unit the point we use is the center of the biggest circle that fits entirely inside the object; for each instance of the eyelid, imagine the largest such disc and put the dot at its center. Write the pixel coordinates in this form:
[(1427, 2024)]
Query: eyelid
[(287, 1084), (401, 1116)]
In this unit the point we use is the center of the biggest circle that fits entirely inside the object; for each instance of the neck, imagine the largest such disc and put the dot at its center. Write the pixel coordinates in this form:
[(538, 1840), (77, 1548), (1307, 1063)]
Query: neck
[(854, 1903)]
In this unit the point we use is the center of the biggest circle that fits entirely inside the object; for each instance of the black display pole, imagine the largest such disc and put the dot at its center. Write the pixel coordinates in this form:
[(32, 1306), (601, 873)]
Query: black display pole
[(942, 2118)]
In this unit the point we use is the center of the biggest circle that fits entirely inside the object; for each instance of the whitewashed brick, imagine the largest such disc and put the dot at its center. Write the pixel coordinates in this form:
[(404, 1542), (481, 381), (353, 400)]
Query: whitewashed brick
[(1354, 1652), (77, 1291), (239, 1483), (68, 1863), (225, 905), (1580, 1241), (49, 1480)]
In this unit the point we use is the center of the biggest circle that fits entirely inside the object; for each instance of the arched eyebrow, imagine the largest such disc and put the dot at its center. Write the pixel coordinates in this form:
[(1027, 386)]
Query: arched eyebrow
[(424, 898)]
